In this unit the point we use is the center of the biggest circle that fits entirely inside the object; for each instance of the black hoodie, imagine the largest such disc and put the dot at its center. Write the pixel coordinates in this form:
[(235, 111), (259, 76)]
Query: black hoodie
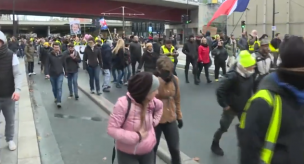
[(93, 57), (54, 64), (71, 65), (190, 49), (234, 90)]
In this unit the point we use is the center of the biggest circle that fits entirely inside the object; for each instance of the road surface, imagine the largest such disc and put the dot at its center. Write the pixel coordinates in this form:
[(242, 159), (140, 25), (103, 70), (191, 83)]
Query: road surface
[(74, 134), (201, 114)]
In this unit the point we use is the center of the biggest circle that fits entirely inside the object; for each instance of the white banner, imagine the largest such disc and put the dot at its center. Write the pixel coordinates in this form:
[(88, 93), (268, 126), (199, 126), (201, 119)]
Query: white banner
[(78, 48)]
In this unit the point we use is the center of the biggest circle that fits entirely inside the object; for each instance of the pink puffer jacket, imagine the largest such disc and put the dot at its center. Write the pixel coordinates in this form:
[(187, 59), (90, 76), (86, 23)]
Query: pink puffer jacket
[(127, 138)]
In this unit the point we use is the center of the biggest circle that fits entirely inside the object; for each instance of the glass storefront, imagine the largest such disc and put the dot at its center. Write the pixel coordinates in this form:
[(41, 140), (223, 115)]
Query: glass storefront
[(146, 28)]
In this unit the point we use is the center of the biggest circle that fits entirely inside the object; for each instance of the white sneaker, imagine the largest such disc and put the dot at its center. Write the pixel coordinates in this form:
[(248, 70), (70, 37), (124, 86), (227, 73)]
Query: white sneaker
[(11, 145), (34, 73), (30, 74)]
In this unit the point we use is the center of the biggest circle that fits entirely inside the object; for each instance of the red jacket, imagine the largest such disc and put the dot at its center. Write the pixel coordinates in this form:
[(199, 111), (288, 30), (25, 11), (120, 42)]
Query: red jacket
[(203, 54)]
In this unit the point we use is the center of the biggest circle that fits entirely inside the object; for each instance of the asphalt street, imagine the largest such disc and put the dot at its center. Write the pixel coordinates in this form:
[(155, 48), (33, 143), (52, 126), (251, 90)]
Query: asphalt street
[(74, 134), (201, 115)]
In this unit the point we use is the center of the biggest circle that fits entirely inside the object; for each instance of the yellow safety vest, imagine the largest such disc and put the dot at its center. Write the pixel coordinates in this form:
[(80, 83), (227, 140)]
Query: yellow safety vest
[(166, 51), (76, 43), (273, 127), (251, 47), (272, 49)]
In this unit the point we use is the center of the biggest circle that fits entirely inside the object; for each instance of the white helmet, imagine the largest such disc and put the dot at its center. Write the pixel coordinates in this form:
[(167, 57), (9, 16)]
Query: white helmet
[(3, 37)]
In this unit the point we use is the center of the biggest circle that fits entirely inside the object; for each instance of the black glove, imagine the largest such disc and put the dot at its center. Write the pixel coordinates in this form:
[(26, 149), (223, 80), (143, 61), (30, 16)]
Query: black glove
[(180, 123)]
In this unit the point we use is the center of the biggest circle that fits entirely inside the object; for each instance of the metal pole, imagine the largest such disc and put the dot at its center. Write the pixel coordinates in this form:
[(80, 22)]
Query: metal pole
[(188, 18), (123, 18), (237, 23), (84, 28), (14, 21), (273, 18), (183, 33)]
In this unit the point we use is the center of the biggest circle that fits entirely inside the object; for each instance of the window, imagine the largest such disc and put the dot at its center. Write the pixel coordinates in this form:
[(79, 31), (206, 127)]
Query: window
[(143, 27), (139, 26)]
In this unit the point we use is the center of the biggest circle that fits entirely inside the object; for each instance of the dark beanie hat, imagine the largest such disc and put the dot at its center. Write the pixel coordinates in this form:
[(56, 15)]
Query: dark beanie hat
[(292, 52), (141, 84)]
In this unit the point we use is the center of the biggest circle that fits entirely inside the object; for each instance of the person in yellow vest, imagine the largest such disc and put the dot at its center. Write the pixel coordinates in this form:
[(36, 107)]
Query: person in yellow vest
[(253, 42), (99, 39), (83, 42), (169, 50), (271, 126), (76, 42)]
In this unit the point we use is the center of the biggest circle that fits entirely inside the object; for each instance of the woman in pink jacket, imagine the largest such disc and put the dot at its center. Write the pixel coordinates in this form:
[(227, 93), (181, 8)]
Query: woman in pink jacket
[(133, 120)]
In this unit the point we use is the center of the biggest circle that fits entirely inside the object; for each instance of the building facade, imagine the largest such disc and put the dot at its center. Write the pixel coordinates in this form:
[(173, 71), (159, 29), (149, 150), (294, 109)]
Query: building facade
[(259, 16)]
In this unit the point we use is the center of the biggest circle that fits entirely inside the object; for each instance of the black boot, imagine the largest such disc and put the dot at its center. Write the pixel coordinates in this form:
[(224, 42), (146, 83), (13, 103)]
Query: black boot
[(198, 78), (215, 148), (186, 75), (196, 81), (195, 75), (208, 79)]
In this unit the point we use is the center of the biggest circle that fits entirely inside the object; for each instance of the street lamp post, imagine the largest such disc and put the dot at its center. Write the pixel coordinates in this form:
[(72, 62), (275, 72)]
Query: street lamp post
[(14, 20), (273, 18), (123, 18), (187, 26)]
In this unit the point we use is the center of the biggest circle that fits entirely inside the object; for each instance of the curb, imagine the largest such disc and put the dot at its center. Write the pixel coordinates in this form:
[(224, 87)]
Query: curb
[(162, 151), (28, 147)]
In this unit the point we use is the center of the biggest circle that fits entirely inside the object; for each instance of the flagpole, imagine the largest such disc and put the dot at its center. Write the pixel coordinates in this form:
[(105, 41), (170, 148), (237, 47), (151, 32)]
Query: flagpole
[(110, 34), (237, 22)]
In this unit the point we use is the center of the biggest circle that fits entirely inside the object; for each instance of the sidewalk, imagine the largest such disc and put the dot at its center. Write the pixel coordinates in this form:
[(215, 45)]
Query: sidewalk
[(107, 106), (25, 132)]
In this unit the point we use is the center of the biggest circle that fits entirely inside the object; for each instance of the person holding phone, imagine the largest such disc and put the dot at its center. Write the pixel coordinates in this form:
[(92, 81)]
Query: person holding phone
[(71, 60)]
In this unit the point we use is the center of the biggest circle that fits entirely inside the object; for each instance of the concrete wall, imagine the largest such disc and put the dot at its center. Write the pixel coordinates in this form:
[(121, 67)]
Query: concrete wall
[(289, 19), (206, 12)]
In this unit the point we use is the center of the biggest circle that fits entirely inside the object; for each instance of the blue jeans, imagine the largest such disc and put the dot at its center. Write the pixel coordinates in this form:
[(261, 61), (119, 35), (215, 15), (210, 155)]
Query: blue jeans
[(72, 83), (127, 73), (120, 76), (106, 78), (56, 82), (174, 69), (94, 74), (114, 74)]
